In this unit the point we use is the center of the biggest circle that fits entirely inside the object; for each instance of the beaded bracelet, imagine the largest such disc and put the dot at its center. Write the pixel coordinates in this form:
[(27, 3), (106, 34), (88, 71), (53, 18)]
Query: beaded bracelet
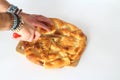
[(20, 26), (14, 9), (17, 23)]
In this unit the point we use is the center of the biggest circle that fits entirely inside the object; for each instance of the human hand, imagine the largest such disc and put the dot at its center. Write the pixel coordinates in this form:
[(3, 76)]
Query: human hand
[(27, 33), (37, 20)]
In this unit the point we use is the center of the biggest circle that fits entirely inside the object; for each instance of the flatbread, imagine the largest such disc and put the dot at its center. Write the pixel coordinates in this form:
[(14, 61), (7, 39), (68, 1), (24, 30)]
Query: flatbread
[(62, 46)]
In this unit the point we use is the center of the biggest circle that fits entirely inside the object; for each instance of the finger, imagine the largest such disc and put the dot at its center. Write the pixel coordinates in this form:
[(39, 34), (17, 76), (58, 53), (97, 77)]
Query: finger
[(44, 19), (31, 38), (36, 36), (41, 25)]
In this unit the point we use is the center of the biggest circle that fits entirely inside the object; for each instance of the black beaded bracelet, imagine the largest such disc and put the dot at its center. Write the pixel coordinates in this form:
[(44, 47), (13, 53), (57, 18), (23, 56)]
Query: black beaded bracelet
[(14, 9), (17, 23)]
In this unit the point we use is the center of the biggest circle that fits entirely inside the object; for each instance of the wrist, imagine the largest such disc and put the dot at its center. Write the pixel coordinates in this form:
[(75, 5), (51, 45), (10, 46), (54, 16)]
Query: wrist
[(17, 23)]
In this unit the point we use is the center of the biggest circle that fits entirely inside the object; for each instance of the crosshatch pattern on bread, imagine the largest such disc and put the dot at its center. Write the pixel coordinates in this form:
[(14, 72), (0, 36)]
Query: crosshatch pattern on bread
[(62, 46)]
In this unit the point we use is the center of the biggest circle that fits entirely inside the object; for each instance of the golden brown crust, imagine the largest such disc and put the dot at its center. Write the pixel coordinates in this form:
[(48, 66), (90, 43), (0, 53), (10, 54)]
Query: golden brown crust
[(62, 46)]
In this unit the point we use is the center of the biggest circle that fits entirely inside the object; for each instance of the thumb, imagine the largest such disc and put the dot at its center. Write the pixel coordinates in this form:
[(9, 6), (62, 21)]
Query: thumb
[(36, 35)]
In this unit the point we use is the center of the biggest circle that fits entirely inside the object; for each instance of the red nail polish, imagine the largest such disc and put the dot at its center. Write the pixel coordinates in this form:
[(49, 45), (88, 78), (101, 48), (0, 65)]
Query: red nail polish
[(15, 35)]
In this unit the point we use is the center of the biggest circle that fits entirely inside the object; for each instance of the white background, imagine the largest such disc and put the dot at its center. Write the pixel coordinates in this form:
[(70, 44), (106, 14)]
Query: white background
[(99, 19)]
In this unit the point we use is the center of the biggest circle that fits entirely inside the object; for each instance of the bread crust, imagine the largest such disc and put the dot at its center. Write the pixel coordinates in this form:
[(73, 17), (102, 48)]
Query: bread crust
[(62, 46)]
